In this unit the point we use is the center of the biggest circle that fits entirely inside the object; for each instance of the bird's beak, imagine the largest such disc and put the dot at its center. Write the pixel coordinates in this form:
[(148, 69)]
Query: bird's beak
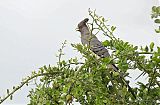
[(77, 29)]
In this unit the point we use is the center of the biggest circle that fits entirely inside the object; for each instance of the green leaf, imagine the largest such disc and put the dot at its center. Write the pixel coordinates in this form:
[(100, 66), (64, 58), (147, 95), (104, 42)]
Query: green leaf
[(158, 9), (151, 46), (106, 60), (126, 44), (136, 47), (7, 91), (11, 97), (14, 87), (45, 68), (115, 74), (154, 8), (157, 21), (146, 48), (106, 43), (158, 49), (125, 66), (105, 101), (156, 59), (117, 52), (157, 30), (113, 28), (103, 19)]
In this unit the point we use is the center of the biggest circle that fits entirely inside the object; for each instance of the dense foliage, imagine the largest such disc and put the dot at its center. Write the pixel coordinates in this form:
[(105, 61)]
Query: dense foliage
[(89, 81)]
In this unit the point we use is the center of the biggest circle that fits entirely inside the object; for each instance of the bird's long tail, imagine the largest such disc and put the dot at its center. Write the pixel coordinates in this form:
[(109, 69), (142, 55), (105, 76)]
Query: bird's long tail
[(125, 82)]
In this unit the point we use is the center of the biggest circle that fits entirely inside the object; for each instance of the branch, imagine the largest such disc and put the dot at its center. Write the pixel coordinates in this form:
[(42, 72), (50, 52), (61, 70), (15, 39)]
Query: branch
[(145, 53), (25, 82)]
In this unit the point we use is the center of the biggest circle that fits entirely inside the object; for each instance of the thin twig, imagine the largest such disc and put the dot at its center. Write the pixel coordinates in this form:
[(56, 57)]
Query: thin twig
[(61, 53)]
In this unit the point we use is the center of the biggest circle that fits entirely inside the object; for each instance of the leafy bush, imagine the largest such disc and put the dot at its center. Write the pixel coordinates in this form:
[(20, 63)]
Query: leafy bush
[(89, 81)]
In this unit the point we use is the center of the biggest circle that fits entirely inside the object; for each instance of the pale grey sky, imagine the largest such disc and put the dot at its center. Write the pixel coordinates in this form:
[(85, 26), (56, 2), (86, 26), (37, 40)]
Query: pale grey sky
[(31, 32)]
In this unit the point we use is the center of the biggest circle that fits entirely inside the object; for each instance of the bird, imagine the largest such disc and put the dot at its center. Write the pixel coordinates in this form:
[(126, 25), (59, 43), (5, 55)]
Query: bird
[(97, 47)]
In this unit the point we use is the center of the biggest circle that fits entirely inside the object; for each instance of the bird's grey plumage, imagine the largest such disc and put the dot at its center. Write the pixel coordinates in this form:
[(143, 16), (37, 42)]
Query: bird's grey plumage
[(92, 41), (97, 47)]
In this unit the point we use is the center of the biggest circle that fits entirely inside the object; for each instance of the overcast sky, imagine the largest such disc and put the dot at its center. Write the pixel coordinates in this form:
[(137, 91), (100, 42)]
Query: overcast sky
[(31, 32)]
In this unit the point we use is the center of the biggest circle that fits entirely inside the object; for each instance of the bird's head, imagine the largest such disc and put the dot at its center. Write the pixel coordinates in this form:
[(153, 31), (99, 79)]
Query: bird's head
[(82, 24)]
